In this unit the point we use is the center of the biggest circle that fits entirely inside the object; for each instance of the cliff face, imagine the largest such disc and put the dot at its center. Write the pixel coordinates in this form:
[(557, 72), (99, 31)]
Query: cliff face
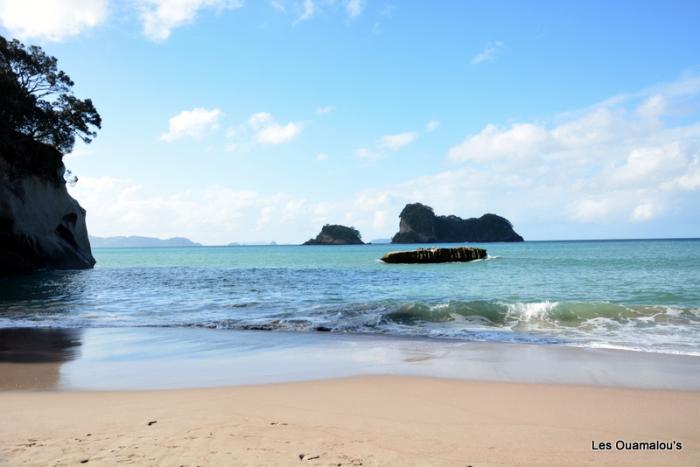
[(336, 235), (419, 224), (41, 226)]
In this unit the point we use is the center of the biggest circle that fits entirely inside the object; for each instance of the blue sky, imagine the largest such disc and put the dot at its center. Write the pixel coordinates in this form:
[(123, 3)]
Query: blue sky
[(255, 121)]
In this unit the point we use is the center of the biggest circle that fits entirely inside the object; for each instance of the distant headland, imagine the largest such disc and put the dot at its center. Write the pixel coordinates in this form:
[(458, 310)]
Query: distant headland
[(140, 242)]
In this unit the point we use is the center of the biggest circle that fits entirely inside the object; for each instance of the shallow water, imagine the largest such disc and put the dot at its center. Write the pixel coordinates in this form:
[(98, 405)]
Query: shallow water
[(637, 295)]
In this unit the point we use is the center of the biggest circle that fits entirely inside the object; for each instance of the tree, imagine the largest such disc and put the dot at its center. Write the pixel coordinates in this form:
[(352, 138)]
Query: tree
[(36, 99)]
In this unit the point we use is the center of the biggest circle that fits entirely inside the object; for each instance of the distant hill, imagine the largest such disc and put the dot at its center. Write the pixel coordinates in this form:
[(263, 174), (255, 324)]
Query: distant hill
[(138, 242), (381, 240), (419, 224)]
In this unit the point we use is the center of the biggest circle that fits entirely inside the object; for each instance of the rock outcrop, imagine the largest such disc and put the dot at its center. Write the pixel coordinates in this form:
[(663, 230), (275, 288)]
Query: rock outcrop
[(419, 224), (435, 255), (336, 235), (41, 226)]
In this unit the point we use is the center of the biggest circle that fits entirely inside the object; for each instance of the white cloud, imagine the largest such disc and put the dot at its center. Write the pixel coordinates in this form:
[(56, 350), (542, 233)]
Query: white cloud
[(601, 164), (653, 106), (53, 20), (325, 110), (489, 53), (259, 119), (591, 210), (278, 5), (195, 123), (160, 17), (690, 180), (307, 11), (262, 128), (354, 8), (521, 139), (652, 164), (321, 157), (644, 212), (270, 132), (431, 125), (212, 214), (379, 220), (278, 134), (397, 141), (385, 143), (369, 155)]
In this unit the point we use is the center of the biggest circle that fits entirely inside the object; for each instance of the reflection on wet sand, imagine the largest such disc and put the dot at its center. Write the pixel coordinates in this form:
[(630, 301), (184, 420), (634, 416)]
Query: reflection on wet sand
[(169, 358), (32, 358)]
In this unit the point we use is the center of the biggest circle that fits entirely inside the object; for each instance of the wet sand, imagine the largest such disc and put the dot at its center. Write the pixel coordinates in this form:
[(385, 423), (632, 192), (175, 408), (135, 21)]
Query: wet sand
[(177, 358)]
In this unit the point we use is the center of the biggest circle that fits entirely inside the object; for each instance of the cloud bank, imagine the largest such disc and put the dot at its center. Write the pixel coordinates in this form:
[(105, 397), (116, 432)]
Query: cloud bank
[(610, 169), (53, 20)]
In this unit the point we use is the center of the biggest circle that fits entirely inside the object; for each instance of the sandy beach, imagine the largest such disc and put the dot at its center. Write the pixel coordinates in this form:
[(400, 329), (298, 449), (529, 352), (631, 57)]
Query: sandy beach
[(375, 420), (206, 397)]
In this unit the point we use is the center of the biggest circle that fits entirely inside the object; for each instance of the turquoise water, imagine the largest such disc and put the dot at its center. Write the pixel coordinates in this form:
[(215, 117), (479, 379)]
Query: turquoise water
[(640, 295)]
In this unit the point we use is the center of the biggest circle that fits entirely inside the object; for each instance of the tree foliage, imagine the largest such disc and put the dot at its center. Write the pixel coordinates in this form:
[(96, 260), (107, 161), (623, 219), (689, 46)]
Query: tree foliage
[(36, 99)]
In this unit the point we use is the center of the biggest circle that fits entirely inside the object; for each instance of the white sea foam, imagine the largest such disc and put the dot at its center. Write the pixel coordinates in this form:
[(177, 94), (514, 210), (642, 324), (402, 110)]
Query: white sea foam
[(530, 311)]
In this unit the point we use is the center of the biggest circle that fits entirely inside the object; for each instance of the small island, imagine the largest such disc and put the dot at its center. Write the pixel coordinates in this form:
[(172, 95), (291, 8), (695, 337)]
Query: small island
[(435, 255), (419, 224), (334, 234)]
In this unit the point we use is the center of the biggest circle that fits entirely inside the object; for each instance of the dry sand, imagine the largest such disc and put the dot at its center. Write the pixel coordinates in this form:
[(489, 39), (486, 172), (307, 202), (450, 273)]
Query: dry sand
[(376, 420)]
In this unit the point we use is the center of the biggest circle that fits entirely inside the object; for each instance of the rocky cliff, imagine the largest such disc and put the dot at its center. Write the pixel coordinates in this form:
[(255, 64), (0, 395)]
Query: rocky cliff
[(41, 226), (336, 235), (419, 224)]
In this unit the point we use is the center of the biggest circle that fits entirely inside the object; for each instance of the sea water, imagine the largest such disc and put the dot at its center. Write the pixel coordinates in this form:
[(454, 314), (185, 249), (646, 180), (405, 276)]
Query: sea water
[(634, 294)]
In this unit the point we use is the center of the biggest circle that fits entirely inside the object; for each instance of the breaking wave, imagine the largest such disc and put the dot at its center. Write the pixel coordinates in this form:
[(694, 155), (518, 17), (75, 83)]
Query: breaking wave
[(596, 325)]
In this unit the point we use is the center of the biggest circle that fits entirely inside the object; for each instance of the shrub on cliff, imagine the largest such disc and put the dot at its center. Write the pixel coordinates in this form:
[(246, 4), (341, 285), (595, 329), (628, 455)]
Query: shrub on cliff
[(37, 101)]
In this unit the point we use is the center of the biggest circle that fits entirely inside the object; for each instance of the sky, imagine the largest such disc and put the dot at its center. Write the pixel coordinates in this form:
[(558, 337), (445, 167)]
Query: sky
[(254, 120)]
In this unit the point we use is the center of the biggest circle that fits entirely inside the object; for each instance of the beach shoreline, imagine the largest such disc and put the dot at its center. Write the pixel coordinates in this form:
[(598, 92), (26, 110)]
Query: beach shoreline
[(362, 420), (152, 396)]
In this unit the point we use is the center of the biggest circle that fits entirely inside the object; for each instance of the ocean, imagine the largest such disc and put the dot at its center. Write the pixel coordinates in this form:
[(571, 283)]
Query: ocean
[(641, 295)]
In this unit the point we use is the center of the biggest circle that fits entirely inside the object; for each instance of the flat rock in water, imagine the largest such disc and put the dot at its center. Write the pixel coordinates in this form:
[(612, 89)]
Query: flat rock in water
[(435, 255)]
